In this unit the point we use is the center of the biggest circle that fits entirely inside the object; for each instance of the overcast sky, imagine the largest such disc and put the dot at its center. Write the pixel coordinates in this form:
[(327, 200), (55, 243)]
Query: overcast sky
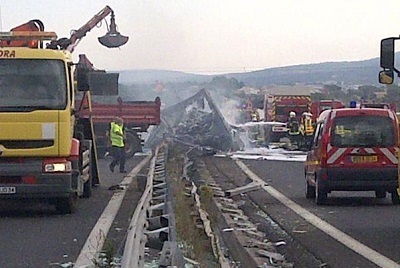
[(219, 36)]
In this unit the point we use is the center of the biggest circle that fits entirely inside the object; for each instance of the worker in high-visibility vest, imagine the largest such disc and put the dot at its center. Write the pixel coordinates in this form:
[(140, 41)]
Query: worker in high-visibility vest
[(117, 137), (307, 128), (293, 129), (293, 124), (306, 125)]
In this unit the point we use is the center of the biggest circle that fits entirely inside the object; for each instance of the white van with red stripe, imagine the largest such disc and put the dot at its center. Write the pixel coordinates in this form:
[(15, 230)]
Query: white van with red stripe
[(354, 149)]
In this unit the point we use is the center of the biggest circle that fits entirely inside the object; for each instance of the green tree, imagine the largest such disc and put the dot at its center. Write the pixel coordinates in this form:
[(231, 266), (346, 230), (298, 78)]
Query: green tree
[(334, 92), (317, 96), (368, 92), (221, 82), (393, 95)]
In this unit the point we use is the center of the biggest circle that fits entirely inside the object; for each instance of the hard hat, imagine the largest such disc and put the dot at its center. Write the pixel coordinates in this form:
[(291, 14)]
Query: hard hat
[(292, 114)]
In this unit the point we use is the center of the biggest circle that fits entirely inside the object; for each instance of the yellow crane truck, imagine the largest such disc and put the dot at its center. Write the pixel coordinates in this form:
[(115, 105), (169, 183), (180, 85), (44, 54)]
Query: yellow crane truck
[(387, 74), (46, 151)]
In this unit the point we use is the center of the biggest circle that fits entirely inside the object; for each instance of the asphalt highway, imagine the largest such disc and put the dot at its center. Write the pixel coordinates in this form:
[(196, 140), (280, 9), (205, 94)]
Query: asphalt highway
[(34, 235)]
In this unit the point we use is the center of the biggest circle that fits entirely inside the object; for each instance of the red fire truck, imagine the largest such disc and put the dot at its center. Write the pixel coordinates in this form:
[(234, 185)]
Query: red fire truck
[(317, 107), (277, 109)]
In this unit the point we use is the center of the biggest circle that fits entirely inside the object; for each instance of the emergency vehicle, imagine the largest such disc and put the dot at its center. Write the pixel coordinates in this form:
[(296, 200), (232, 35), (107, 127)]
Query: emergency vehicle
[(318, 107), (353, 149), (277, 108)]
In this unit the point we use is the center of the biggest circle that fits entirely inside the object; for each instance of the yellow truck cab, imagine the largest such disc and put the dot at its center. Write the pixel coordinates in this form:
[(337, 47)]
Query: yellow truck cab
[(353, 149), (44, 153)]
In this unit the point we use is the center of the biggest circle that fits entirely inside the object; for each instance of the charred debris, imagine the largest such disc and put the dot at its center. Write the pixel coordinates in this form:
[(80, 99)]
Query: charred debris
[(196, 122)]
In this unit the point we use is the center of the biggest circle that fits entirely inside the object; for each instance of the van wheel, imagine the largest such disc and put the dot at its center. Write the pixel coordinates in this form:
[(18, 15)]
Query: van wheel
[(320, 194), (310, 191), (395, 198), (380, 194)]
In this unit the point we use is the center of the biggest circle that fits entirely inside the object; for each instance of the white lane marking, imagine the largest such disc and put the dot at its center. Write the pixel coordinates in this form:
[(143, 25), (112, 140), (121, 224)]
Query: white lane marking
[(94, 243), (330, 230)]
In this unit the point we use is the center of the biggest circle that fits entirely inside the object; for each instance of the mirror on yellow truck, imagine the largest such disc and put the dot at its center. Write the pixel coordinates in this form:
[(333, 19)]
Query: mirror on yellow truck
[(387, 61), (387, 52), (82, 79), (386, 77)]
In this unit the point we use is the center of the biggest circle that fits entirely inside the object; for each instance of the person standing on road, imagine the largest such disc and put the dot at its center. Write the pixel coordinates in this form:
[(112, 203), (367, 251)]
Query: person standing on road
[(117, 136)]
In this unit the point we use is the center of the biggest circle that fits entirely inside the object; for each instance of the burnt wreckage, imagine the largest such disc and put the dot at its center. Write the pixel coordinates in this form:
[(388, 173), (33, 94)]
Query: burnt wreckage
[(196, 121)]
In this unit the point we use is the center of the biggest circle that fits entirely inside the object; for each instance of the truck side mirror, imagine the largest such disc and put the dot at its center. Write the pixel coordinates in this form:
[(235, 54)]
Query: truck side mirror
[(82, 78), (386, 77), (387, 52)]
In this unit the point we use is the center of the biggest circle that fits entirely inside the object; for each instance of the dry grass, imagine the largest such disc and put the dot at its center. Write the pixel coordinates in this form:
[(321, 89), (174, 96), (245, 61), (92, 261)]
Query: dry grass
[(194, 241)]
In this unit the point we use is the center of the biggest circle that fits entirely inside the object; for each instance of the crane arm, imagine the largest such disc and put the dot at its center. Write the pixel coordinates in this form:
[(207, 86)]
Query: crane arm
[(77, 35), (112, 38)]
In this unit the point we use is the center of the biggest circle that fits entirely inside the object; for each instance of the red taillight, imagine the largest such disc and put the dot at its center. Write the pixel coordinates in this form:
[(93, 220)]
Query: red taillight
[(29, 180)]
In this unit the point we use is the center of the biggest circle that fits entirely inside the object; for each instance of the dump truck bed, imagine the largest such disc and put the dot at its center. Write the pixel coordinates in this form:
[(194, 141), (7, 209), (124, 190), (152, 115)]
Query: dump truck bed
[(134, 113)]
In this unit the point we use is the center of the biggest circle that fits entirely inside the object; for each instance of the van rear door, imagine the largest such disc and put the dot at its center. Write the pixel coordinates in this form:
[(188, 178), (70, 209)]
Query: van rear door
[(363, 140)]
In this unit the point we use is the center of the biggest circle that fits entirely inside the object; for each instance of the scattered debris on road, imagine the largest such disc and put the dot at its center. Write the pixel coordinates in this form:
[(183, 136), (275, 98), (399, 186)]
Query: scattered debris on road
[(196, 121)]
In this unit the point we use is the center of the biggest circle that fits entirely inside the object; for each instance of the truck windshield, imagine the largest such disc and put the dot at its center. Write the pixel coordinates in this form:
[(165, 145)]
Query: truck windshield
[(32, 83), (363, 131)]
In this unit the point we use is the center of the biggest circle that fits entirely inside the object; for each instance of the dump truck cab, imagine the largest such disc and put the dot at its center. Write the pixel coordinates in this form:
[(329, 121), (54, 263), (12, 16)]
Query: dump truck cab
[(36, 93), (43, 155)]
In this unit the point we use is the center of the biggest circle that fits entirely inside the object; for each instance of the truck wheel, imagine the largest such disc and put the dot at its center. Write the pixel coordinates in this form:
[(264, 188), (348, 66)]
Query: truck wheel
[(87, 186), (133, 144), (67, 205)]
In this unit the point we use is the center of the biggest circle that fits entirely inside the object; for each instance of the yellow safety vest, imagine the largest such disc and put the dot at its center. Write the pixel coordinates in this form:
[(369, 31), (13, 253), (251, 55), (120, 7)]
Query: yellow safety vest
[(308, 125), (116, 135)]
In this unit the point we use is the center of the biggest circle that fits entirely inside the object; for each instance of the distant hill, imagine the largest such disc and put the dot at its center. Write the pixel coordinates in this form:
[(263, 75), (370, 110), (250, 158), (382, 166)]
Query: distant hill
[(363, 72), (351, 73), (152, 76)]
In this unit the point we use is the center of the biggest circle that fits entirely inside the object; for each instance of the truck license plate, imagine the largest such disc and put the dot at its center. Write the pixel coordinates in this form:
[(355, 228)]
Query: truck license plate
[(364, 159), (8, 190)]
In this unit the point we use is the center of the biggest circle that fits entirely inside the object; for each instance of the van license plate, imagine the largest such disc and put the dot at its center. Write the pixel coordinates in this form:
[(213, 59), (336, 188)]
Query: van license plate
[(8, 190), (364, 159)]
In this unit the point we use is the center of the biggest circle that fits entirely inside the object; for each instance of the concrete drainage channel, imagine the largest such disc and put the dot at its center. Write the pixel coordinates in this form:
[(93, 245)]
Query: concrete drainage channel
[(235, 240), (244, 241), (236, 236)]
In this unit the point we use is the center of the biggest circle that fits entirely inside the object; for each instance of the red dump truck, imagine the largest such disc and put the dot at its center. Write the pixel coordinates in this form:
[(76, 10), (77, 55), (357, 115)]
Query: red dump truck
[(137, 116), (106, 104)]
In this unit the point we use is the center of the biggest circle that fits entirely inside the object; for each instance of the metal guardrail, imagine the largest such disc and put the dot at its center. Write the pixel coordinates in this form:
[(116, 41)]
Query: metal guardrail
[(153, 222), (135, 243)]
